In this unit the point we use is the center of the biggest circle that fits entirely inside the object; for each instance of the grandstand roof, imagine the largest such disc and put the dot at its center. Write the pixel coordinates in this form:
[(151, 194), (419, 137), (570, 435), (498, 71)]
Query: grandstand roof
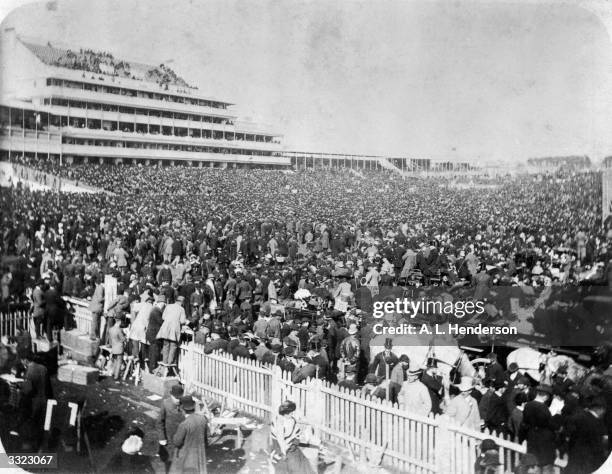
[(103, 63)]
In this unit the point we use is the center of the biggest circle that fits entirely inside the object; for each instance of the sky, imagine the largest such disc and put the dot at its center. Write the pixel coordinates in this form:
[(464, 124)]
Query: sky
[(442, 80)]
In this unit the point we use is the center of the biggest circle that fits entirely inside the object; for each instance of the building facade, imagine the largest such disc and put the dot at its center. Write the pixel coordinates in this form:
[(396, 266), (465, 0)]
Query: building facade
[(84, 106)]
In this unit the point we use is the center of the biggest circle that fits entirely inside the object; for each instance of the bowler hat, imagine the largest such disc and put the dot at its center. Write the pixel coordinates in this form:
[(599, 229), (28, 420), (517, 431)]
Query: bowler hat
[(176, 391), (286, 407), (488, 444), (371, 378), (187, 403)]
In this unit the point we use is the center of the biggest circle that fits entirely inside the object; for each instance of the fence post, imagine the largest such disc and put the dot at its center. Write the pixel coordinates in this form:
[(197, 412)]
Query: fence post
[(186, 370), (275, 391), (315, 406), (443, 445)]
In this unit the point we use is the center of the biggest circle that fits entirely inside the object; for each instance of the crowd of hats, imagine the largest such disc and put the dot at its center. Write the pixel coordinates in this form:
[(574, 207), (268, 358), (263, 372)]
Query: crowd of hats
[(506, 227), (199, 224)]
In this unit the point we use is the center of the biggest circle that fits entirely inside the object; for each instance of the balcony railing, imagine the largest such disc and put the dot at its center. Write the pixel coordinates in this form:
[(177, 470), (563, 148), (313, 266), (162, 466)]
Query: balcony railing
[(146, 154), (168, 139), (126, 100), (140, 119)]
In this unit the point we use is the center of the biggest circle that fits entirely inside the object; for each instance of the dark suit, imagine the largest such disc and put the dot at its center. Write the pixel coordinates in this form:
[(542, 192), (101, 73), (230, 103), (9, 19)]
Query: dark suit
[(286, 366), (303, 373), (117, 340), (434, 385), (493, 411), (538, 429), (155, 345), (216, 345), (587, 451), (495, 372), (36, 391), (170, 417), (190, 440), (54, 311), (378, 365), (241, 351)]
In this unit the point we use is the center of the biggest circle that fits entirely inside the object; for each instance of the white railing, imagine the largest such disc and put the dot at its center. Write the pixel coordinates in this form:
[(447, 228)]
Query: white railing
[(126, 100), (12, 321), (150, 154), (411, 443), (170, 139), (244, 384), (462, 444), (82, 315)]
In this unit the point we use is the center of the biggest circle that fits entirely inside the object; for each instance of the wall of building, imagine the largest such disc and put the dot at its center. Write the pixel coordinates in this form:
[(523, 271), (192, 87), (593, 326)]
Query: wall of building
[(21, 73)]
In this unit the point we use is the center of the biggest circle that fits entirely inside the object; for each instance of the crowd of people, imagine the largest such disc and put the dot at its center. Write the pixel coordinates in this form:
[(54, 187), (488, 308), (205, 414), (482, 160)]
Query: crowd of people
[(101, 62), (218, 255)]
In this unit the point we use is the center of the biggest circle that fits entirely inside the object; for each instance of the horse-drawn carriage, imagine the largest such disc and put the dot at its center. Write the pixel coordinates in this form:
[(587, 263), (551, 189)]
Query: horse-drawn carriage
[(424, 349)]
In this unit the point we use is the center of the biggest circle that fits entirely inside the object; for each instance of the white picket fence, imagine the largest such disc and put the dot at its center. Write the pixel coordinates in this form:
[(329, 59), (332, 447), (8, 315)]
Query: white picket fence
[(82, 315), (11, 321), (412, 443)]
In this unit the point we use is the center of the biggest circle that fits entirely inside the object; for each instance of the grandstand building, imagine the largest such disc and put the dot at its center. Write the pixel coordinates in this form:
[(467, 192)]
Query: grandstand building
[(84, 106), (314, 160), (553, 163)]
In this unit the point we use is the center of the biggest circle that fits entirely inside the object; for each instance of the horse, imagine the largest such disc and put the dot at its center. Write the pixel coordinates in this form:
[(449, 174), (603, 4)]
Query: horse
[(453, 363), (543, 366)]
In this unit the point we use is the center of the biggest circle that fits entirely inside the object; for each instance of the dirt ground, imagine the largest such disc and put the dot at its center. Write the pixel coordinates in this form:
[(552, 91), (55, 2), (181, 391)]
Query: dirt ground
[(111, 409)]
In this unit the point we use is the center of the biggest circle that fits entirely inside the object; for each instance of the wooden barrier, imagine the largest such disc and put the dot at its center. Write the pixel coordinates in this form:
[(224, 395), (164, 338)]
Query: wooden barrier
[(11, 321), (244, 384), (411, 443), (82, 315)]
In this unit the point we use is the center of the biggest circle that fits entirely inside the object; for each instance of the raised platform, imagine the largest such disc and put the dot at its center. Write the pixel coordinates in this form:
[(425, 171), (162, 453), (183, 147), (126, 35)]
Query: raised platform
[(78, 374), (79, 346), (159, 385)]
